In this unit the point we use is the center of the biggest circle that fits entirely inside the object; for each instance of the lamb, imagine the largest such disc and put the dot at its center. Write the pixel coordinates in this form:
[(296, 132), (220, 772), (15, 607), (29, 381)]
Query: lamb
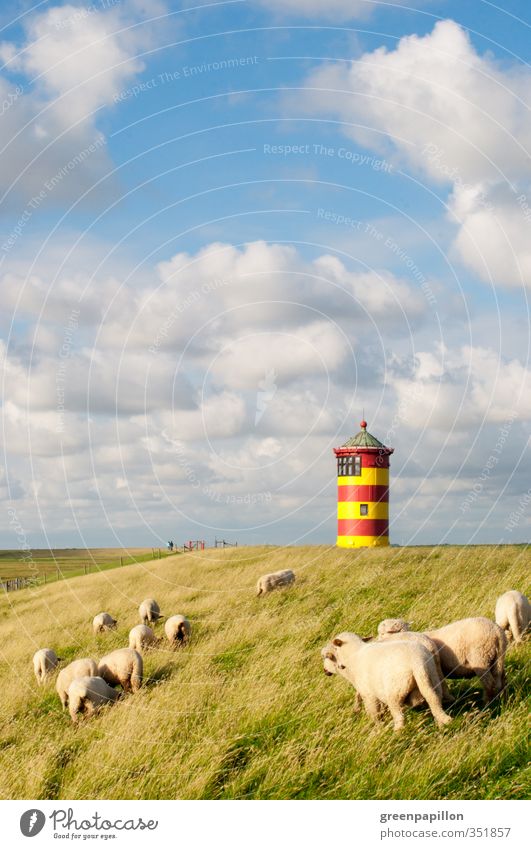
[(178, 630), (142, 637), (467, 648), (513, 614), (390, 674), (103, 622), (87, 694), (274, 580), (149, 612), (44, 663), (431, 645), (124, 667), (84, 667)]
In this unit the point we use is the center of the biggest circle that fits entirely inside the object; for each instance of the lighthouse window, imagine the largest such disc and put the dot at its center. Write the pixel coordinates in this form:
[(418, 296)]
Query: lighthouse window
[(364, 509), (349, 466)]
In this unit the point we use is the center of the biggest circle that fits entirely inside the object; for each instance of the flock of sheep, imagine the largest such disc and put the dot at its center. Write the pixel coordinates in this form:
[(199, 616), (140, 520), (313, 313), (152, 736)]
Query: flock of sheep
[(84, 685), (398, 668), (402, 668)]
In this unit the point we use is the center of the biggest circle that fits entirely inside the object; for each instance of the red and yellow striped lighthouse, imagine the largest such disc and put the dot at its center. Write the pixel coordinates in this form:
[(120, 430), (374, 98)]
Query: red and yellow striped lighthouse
[(363, 491)]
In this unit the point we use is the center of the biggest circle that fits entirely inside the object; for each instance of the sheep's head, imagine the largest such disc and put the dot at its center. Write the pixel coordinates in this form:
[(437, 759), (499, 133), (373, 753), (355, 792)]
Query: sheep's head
[(393, 626), (329, 659)]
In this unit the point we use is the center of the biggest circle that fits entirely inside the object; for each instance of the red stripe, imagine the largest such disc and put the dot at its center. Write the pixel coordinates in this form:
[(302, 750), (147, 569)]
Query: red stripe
[(362, 527), (362, 493)]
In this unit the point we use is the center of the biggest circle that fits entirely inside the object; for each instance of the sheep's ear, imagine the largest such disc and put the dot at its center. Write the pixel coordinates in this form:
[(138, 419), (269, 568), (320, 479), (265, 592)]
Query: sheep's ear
[(337, 642), (367, 639)]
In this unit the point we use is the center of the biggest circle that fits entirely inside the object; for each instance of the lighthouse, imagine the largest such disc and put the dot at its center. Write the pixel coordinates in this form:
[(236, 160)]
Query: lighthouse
[(363, 491)]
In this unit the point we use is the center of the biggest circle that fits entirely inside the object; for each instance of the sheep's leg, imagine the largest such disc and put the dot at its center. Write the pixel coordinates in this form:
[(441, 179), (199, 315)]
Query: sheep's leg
[(372, 707), (397, 713), (126, 684), (514, 626), (357, 702), (490, 685)]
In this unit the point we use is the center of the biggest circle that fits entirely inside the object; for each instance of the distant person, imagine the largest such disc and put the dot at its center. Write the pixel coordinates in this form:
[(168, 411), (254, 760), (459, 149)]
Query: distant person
[(170, 545)]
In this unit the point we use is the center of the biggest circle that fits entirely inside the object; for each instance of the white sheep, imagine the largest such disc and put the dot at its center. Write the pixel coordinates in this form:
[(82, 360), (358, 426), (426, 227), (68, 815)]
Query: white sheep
[(390, 674), (149, 612), (81, 668), (468, 647), (274, 580), (44, 663), (433, 649), (513, 614), (142, 637), (87, 694), (103, 622), (124, 667), (178, 630)]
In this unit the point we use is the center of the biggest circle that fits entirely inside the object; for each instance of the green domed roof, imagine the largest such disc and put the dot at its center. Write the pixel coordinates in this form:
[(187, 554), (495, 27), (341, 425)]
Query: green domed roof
[(363, 439)]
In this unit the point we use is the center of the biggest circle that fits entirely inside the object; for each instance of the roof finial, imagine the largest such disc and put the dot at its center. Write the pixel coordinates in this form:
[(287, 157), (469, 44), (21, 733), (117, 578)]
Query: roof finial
[(363, 423)]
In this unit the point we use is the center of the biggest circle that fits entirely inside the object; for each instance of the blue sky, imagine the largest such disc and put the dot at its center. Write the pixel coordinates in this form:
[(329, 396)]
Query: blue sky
[(226, 230)]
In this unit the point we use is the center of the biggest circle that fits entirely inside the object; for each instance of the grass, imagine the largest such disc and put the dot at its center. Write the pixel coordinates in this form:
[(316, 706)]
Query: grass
[(245, 711), (48, 565)]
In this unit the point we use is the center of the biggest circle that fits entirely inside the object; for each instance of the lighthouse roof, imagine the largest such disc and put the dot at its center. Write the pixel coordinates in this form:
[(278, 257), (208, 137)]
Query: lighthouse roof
[(363, 439)]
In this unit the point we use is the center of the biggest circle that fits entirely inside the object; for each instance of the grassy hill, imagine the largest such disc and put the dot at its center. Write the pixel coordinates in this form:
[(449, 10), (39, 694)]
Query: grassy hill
[(245, 711)]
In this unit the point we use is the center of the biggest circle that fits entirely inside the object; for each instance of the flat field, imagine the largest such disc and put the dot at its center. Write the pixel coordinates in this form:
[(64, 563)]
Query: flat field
[(245, 711)]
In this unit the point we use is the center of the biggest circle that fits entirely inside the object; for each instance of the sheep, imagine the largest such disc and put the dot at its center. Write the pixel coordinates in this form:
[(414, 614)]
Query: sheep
[(44, 663), (389, 674), (87, 694), (513, 614), (468, 647), (274, 580), (149, 612), (142, 637), (178, 630), (432, 647), (103, 622), (81, 668), (124, 667)]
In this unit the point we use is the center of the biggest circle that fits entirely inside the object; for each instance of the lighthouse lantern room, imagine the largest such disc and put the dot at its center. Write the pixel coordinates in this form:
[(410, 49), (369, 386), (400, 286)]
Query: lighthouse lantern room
[(363, 491)]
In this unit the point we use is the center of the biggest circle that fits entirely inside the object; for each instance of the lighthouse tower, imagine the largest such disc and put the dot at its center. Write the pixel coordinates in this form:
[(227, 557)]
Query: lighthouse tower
[(362, 491)]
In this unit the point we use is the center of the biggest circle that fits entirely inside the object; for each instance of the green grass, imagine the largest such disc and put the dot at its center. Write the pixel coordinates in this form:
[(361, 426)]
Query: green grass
[(245, 711), (48, 565)]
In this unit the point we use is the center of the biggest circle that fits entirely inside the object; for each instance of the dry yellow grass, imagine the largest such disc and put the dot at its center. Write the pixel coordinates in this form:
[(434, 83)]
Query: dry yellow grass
[(245, 711)]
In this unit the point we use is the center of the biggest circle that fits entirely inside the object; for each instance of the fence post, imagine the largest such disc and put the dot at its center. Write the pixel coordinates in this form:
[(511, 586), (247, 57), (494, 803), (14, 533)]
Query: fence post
[(45, 577), (121, 561)]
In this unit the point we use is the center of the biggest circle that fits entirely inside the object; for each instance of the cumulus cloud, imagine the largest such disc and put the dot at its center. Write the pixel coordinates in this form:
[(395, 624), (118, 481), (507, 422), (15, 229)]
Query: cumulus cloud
[(437, 107)]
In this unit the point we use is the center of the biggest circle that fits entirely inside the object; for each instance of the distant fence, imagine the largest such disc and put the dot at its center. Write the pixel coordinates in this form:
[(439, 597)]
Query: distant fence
[(58, 574), (194, 545), (222, 543)]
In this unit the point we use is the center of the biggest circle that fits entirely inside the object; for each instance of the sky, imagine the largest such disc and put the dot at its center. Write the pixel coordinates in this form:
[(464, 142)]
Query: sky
[(228, 231)]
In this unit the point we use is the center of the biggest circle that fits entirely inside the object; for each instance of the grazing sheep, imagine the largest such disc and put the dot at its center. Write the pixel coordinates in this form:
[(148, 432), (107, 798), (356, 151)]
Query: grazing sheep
[(513, 614), (44, 662), (467, 648), (149, 612), (432, 647), (103, 622), (85, 667), (274, 580), (87, 694), (390, 674), (178, 630), (142, 637), (124, 667)]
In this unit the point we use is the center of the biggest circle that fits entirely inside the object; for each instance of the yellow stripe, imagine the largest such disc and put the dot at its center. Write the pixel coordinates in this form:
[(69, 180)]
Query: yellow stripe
[(368, 477), (362, 542), (351, 510)]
